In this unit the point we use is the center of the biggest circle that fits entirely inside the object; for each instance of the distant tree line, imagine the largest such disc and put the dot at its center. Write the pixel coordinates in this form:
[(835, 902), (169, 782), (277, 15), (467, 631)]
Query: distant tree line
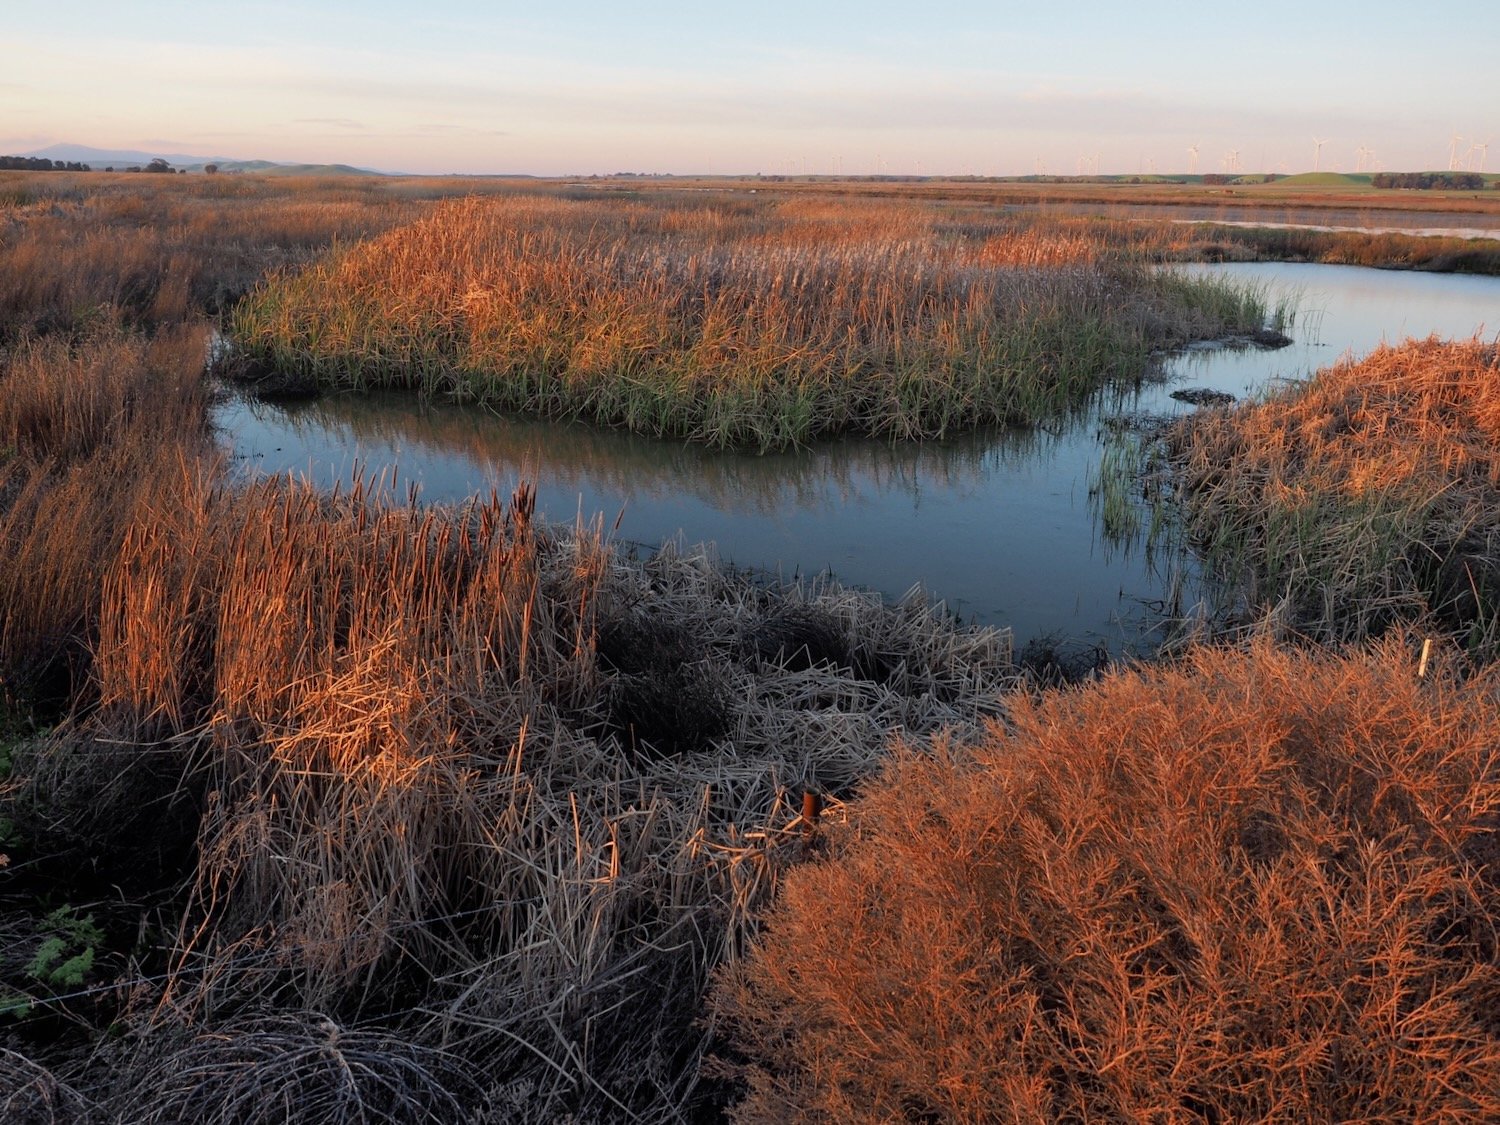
[(41, 164), (1430, 181)]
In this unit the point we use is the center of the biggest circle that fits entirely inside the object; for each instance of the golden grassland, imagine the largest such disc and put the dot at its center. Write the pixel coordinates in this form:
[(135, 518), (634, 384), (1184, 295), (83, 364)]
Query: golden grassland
[(740, 322), (344, 808), (1192, 221), (1366, 497)]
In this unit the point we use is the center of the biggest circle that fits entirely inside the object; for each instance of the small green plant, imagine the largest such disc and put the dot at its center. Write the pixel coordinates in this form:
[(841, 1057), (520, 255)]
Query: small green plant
[(64, 959), (1112, 484)]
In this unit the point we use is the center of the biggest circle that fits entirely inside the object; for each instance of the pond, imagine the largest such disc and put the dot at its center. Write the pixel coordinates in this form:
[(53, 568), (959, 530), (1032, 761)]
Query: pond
[(999, 525)]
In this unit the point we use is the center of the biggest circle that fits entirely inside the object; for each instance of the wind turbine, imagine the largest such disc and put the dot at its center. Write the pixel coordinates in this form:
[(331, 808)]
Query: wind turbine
[(1192, 159), (1234, 160), (1484, 148), (1453, 152), (1318, 152)]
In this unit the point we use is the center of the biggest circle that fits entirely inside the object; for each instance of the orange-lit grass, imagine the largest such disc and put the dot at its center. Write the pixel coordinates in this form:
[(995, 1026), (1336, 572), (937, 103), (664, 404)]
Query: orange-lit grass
[(62, 400), (1254, 886), (733, 322), (91, 432), (1366, 496)]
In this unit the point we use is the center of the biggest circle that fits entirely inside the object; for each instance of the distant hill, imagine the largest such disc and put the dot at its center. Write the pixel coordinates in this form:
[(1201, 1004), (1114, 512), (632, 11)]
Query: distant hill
[(1324, 179), (271, 168), (123, 158)]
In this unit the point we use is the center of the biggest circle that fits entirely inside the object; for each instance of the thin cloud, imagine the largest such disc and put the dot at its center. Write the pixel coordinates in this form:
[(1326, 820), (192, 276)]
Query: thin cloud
[(332, 123)]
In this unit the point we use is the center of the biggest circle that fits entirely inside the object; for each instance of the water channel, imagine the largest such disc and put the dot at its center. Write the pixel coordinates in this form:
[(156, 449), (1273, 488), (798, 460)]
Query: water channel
[(999, 525)]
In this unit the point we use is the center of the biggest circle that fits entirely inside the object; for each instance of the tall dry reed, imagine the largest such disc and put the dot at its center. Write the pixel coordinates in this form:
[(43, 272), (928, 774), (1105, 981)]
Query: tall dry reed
[(92, 429)]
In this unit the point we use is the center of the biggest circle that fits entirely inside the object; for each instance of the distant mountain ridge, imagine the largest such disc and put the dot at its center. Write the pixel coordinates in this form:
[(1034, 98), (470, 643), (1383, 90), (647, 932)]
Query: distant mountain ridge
[(98, 158)]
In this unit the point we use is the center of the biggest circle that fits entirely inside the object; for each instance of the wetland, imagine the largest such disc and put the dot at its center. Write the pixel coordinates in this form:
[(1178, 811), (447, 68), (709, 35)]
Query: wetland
[(1002, 525), (395, 754)]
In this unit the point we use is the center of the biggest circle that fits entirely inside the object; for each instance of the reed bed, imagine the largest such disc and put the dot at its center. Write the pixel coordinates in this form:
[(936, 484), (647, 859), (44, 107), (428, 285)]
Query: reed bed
[(1365, 497), (357, 809), (452, 778), (1210, 242), (92, 427), (1257, 885), (739, 323)]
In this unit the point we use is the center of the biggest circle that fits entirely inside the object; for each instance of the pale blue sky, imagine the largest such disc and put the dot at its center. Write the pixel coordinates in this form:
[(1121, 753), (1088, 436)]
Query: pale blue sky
[(1007, 88)]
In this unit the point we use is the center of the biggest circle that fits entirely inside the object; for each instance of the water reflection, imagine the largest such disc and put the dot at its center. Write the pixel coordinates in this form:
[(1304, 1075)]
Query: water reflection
[(999, 524), (460, 450)]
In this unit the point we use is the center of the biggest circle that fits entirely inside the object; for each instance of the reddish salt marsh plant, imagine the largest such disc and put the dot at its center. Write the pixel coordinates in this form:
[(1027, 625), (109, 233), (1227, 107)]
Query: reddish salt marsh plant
[(1252, 886)]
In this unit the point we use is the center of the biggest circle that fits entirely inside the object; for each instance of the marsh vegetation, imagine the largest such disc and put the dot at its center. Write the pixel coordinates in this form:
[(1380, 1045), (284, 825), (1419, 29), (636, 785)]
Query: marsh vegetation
[(347, 807), (739, 323), (1363, 499)]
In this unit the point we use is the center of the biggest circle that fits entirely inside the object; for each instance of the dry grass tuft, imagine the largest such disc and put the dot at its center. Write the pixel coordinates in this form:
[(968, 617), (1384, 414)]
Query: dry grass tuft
[(1255, 886), (93, 431), (295, 1067), (30, 1094), (1367, 496)]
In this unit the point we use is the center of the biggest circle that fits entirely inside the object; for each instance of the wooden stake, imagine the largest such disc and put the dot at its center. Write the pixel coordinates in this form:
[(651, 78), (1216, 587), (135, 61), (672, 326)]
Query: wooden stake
[(1426, 655), (812, 805)]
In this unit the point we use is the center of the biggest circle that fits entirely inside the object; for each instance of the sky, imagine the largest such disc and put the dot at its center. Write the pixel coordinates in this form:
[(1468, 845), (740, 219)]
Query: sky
[(911, 87)]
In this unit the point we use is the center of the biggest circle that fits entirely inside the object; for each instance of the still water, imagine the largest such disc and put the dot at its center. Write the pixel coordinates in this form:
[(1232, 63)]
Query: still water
[(998, 525)]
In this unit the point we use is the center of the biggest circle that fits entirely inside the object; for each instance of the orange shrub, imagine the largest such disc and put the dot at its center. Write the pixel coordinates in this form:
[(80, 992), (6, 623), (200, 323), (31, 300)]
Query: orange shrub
[(1259, 885)]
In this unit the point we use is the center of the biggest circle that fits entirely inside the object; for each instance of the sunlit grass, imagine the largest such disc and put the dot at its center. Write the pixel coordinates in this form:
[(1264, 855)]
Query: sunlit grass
[(393, 810), (1366, 496)]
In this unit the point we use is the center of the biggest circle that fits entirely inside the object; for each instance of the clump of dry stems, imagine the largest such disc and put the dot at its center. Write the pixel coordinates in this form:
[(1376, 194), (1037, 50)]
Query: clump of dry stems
[(1254, 886)]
